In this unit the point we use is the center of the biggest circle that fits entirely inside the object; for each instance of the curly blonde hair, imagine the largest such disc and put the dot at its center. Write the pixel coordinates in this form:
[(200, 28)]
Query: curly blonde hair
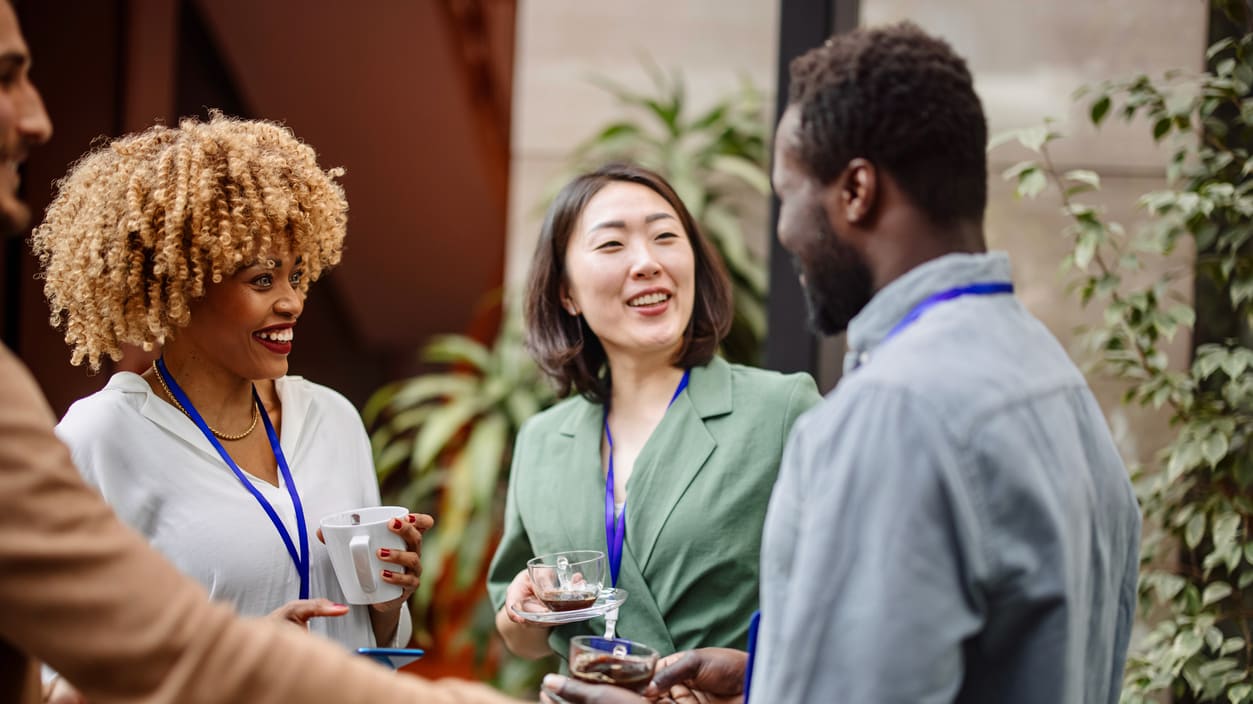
[(140, 227)]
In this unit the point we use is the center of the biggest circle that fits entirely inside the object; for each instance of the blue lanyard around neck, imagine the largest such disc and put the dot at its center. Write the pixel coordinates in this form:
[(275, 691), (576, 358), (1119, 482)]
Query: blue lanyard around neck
[(299, 558), (989, 288), (615, 530)]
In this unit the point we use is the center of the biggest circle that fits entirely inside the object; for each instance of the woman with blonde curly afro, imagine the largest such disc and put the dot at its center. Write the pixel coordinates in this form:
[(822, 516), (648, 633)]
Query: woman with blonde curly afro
[(202, 240)]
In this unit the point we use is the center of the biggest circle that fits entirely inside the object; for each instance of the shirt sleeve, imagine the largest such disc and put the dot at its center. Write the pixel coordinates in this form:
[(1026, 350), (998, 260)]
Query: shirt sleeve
[(880, 596)]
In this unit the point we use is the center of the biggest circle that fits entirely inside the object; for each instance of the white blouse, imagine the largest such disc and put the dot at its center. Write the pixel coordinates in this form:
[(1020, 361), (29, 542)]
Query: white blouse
[(165, 480)]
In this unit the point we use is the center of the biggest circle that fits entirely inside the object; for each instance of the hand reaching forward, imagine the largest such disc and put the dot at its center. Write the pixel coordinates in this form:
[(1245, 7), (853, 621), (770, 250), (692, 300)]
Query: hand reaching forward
[(702, 676)]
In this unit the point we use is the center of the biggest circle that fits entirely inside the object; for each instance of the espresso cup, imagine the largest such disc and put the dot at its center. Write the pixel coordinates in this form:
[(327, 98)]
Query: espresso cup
[(568, 581), (615, 661), (353, 539)]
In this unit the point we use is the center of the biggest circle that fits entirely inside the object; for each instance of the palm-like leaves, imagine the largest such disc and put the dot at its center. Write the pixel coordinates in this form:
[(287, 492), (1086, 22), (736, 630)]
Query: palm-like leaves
[(442, 441)]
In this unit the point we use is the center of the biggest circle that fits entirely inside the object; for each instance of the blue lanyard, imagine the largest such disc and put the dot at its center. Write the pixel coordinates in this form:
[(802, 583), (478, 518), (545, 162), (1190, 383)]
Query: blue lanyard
[(615, 530), (989, 288), (301, 558)]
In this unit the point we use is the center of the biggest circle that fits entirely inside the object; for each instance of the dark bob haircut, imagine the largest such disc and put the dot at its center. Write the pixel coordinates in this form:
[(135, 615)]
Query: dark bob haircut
[(903, 100), (562, 344)]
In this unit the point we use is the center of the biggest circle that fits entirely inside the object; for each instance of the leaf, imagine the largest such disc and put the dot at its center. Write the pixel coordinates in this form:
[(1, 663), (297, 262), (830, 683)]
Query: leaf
[(1214, 638), (1034, 138), (486, 450), (1215, 592), (1231, 645), (1184, 315), (376, 403), (457, 349), (1236, 362), (1099, 109), (1186, 644), (1167, 586), (1090, 178), (614, 132), (1225, 528), (1031, 183), (1160, 128), (433, 387), (1214, 448), (472, 548), (743, 169), (1218, 47), (1195, 531), (440, 429), (392, 457)]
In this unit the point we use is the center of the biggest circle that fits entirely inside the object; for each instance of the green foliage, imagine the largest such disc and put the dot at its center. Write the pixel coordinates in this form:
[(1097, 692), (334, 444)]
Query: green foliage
[(442, 443), (1196, 581), (714, 160)]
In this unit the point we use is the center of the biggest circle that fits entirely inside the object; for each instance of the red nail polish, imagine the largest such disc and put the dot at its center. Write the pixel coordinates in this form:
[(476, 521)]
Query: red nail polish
[(413, 518), (396, 523), (384, 552), (388, 573)]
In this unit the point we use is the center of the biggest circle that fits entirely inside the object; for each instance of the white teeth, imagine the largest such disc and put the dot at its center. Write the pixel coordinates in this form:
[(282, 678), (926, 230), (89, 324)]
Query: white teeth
[(284, 335), (649, 299)]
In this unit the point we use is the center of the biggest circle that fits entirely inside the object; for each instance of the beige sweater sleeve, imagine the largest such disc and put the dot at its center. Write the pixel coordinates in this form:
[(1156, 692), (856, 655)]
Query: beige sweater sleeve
[(85, 594)]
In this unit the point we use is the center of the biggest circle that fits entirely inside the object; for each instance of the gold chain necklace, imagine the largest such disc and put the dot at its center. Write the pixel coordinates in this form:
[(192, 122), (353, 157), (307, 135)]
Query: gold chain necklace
[(255, 413)]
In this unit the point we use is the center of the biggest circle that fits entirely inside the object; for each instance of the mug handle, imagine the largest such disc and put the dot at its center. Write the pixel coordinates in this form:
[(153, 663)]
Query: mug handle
[(359, 548)]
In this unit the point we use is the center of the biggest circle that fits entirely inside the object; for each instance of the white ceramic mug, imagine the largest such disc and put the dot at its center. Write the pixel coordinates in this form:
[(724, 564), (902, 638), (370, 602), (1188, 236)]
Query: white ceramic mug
[(353, 539)]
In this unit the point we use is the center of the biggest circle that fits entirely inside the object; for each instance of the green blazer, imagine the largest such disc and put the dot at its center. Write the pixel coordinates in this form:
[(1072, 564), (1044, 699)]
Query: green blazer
[(696, 504)]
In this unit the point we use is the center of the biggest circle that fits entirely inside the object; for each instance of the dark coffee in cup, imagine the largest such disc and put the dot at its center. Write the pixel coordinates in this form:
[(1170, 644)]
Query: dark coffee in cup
[(609, 669), (568, 600)]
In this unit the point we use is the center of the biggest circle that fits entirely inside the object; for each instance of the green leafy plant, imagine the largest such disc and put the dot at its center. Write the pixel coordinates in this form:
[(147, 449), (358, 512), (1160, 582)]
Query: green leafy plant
[(1196, 580), (442, 443), (714, 160)]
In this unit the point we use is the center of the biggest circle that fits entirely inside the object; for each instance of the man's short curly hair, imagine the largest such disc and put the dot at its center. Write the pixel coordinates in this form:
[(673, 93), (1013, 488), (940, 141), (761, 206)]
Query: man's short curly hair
[(140, 227), (903, 100)]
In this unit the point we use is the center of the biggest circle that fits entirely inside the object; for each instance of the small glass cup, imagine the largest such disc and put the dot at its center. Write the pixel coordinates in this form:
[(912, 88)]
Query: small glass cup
[(615, 661), (567, 581)]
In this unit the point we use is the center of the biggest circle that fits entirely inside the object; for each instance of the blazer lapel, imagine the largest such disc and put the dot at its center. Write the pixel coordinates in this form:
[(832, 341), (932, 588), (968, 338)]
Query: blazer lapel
[(673, 456), (576, 495)]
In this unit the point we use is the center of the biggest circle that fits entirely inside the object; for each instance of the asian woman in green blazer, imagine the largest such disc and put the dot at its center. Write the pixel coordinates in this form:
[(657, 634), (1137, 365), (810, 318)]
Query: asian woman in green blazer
[(626, 307)]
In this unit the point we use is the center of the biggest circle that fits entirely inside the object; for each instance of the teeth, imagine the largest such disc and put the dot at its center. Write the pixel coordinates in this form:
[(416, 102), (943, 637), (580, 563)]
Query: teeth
[(649, 299), (284, 335)]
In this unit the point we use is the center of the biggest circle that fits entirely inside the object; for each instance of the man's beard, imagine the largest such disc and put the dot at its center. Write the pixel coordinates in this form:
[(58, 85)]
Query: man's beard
[(837, 280)]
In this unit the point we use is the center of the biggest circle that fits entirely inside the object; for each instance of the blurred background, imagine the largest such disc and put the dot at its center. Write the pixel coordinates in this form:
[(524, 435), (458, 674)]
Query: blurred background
[(455, 119)]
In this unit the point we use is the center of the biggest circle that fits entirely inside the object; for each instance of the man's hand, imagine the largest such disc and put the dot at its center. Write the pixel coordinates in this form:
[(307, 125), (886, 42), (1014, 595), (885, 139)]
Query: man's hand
[(702, 676)]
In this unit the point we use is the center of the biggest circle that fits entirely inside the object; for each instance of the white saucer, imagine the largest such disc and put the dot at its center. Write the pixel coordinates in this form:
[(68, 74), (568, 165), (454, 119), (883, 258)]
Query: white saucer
[(608, 600)]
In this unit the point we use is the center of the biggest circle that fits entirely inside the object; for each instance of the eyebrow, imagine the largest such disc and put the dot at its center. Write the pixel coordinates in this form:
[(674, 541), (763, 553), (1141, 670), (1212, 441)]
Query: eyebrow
[(618, 224), (13, 59)]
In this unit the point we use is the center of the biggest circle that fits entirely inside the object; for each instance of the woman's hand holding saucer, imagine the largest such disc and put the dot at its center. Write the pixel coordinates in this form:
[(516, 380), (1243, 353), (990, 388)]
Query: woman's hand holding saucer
[(521, 597)]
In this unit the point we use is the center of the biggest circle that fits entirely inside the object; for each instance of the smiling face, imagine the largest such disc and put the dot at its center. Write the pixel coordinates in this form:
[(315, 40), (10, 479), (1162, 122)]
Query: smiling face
[(630, 271), (244, 324), (23, 122)]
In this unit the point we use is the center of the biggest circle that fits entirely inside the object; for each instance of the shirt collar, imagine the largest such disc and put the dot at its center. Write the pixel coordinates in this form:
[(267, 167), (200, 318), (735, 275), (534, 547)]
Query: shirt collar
[(162, 412), (894, 301)]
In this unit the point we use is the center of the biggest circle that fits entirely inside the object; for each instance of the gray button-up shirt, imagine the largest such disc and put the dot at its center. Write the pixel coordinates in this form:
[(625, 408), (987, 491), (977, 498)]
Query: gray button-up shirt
[(953, 523)]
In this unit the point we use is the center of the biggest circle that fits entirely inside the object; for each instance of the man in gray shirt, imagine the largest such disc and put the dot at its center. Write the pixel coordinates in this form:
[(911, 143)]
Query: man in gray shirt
[(953, 523)]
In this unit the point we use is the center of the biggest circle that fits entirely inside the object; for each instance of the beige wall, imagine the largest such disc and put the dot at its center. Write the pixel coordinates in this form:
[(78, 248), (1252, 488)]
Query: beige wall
[(561, 44)]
